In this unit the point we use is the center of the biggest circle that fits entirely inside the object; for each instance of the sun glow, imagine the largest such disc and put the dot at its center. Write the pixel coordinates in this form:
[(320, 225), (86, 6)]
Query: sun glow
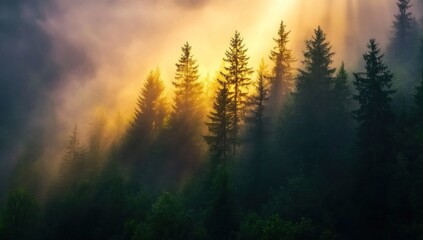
[(123, 42)]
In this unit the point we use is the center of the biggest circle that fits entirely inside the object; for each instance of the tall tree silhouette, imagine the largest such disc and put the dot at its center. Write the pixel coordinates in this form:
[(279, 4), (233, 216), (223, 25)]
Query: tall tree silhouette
[(220, 126), (237, 74), (258, 130), (256, 117), (341, 119), (184, 133), (73, 166), (375, 146), (312, 103), (148, 119), (405, 31), (188, 88), (282, 83)]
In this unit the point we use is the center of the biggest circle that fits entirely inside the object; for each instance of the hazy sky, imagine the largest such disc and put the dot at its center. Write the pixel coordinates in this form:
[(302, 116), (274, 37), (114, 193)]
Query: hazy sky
[(124, 39)]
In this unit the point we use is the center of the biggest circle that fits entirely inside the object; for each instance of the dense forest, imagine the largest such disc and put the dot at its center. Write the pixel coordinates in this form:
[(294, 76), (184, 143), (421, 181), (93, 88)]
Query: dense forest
[(263, 152)]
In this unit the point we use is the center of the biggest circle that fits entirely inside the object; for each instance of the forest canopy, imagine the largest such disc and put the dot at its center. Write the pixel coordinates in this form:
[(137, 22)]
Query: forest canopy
[(298, 147)]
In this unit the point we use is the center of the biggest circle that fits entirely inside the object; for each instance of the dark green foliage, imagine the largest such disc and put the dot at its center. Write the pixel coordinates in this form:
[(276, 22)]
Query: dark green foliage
[(257, 102), (220, 220), (167, 221), (220, 126), (258, 132), (237, 76), (282, 160), (20, 217), (374, 115), (282, 81), (274, 228), (375, 141), (418, 97), (341, 120), (309, 122)]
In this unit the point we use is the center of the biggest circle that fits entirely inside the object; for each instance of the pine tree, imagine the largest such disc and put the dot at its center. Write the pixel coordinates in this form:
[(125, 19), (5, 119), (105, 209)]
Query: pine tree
[(340, 130), (184, 131), (282, 83), (256, 117), (73, 167), (72, 147), (374, 96), (220, 125), (237, 74), (341, 89), (188, 88), (257, 122), (404, 33), (149, 117), (374, 139), (312, 103), (316, 77)]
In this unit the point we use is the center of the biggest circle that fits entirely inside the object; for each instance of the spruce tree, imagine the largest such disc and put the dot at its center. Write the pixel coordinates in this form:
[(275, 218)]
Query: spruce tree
[(374, 142), (341, 89), (184, 131), (282, 80), (237, 74), (188, 89), (73, 167), (341, 121), (258, 131), (148, 119), (312, 104), (256, 117), (374, 115), (220, 126), (404, 33)]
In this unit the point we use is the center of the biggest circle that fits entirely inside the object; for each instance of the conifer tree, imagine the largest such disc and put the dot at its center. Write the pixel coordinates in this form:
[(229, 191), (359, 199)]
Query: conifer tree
[(73, 168), (256, 117), (374, 115), (220, 125), (404, 33), (282, 81), (374, 139), (258, 131), (312, 103), (186, 119), (188, 89), (237, 74), (341, 130), (341, 89), (316, 77), (149, 117)]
